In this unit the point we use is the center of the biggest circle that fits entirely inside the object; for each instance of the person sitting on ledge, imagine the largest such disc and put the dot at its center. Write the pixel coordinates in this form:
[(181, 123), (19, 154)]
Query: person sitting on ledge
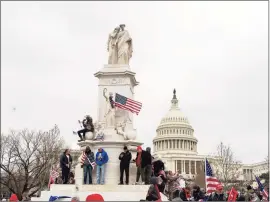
[(88, 127)]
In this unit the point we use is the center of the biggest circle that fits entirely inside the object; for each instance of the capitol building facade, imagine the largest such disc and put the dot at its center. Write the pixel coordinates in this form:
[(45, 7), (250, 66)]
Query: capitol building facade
[(176, 145)]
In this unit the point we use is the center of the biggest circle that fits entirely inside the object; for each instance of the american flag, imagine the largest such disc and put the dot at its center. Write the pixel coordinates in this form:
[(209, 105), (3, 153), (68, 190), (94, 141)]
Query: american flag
[(211, 181), (53, 175), (127, 104), (83, 157), (264, 192)]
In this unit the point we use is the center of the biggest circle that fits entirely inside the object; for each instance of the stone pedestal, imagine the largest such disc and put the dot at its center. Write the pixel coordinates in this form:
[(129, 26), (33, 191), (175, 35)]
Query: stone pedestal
[(108, 192), (115, 79), (112, 168)]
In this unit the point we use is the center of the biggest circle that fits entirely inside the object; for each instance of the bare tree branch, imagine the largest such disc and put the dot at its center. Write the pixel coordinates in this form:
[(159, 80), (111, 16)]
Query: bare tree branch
[(226, 168), (27, 158)]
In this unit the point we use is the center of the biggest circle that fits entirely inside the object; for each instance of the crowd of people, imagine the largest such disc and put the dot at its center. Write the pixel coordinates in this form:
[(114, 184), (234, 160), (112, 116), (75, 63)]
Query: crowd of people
[(151, 172)]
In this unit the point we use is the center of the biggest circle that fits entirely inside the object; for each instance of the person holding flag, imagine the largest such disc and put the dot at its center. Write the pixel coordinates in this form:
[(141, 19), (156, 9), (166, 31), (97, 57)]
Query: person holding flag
[(88, 162), (262, 189)]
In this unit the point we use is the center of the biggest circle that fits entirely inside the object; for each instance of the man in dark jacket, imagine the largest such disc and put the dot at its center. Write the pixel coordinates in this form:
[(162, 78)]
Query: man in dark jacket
[(147, 165), (197, 193), (185, 194), (124, 158), (65, 164), (218, 195)]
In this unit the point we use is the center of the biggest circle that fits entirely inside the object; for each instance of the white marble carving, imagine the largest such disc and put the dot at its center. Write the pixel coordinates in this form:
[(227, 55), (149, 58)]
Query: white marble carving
[(99, 131), (120, 129), (114, 81), (119, 46), (131, 135), (89, 135), (112, 46), (110, 112)]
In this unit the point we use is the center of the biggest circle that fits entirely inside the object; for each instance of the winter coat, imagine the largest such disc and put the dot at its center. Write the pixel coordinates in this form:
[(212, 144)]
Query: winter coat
[(125, 159), (172, 183), (184, 195), (101, 158), (153, 192), (64, 160), (146, 159), (90, 157), (217, 197), (198, 194)]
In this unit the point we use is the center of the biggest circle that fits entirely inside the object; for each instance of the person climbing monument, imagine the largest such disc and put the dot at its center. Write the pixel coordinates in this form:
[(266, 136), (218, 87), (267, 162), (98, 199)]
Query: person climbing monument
[(88, 127)]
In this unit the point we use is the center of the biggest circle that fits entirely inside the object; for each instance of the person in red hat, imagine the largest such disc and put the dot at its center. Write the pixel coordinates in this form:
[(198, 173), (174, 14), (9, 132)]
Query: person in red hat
[(138, 162), (218, 195), (13, 198), (94, 197)]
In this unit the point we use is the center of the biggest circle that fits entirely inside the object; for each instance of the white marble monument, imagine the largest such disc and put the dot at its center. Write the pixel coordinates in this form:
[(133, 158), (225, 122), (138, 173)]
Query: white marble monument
[(114, 124)]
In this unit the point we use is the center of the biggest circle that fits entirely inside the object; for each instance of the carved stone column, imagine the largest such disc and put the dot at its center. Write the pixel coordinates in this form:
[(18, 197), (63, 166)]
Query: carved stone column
[(189, 167), (195, 165)]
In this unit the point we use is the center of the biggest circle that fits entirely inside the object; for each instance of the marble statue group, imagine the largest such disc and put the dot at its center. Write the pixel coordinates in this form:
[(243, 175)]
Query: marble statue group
[(120, 50), (119, 46)]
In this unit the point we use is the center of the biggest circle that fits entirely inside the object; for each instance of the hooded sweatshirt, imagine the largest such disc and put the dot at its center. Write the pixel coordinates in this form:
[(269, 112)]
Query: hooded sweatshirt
[(101, 158)]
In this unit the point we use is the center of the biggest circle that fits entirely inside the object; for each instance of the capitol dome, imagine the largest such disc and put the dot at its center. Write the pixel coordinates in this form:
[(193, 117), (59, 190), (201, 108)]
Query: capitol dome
[(174, 133)]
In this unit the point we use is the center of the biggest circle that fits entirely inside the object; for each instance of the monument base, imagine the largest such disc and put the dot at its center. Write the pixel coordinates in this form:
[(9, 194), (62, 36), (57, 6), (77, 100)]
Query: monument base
[(112, 168), (109, 192)]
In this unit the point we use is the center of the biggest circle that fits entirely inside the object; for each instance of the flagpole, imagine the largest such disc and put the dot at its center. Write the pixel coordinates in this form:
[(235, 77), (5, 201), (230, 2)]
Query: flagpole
[(205, 174)]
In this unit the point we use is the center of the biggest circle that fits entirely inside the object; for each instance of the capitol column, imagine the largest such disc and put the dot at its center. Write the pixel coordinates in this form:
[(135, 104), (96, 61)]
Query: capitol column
[(184, 162), (195, 165), (189, 168)]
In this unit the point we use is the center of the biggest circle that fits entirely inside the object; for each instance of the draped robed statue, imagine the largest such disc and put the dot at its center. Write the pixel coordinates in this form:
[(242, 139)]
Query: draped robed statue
[(119, 46)]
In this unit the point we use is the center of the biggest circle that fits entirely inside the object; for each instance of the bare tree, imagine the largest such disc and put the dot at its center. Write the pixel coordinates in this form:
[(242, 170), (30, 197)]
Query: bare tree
[(225, 167), (26, 159)]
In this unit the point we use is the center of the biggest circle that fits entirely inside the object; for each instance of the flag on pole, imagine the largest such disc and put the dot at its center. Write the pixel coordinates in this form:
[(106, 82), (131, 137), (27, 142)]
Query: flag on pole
[(82, 159), (127, 104), (211, 181), (260, 186), (232, 194)]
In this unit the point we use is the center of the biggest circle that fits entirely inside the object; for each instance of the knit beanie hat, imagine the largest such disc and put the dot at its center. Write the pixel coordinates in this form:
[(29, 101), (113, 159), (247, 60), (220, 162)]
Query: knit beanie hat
[(94, 197), (13, 198)]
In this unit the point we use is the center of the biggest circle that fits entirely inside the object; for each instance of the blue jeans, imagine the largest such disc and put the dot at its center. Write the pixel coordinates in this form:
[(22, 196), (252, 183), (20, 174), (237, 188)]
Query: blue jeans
[(87, 170), (100, 174)]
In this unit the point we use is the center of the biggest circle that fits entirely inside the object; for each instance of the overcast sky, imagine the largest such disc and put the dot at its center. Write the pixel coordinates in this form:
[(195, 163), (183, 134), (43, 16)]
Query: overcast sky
[(213, 53)]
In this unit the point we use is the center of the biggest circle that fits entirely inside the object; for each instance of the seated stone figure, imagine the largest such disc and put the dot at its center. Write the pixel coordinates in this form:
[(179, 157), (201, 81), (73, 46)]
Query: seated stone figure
[(99, 134)]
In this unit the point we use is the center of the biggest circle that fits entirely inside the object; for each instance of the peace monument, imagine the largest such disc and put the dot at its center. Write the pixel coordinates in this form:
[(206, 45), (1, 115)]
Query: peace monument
[(114, 124)]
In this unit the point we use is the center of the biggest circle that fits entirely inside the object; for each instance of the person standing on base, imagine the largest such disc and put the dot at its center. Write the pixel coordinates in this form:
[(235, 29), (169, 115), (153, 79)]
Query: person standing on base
[(101, 159), (65, 163), (138, 162), (87, 165), (147, 165), (124, 158)]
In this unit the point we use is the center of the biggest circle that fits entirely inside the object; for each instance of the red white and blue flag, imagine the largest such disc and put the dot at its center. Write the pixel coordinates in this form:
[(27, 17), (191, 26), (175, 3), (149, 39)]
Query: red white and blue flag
[(264, 192), (125, 103), (211, 181), (82, 159)]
